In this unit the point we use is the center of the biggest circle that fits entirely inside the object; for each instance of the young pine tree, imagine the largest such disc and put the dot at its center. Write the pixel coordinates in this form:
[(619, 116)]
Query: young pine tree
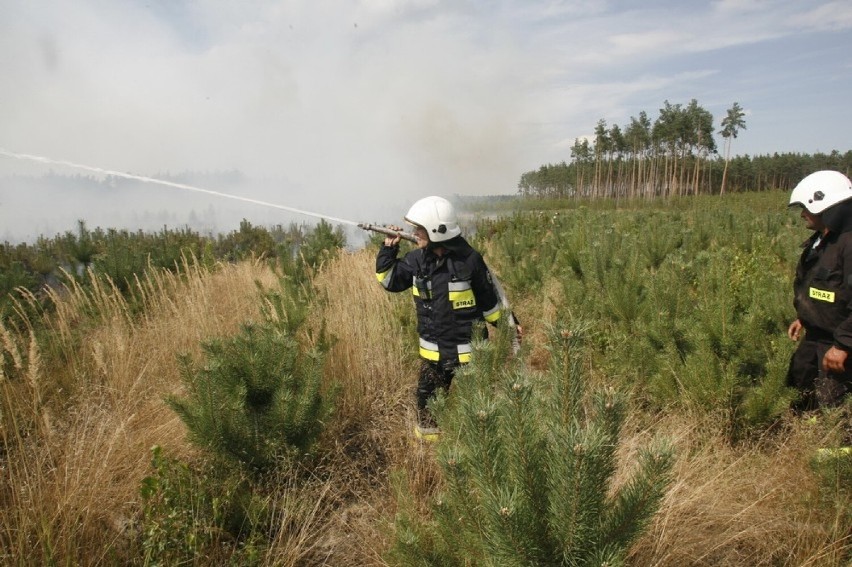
[(528, 464), (258, 399)]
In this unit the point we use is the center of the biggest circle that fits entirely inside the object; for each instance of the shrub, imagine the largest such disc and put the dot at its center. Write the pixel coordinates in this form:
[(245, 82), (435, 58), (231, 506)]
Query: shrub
[(322, 244), (258, 399), (528, 464), (194, 516), (689, 306)]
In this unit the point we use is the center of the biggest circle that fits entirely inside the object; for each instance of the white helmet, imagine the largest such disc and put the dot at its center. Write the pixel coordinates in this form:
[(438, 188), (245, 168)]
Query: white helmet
[(821, 190), (437, 216)]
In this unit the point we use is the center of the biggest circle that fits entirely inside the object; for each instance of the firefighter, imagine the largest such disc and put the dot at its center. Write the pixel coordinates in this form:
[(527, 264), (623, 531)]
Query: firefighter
[(452, 289), (819, 368)]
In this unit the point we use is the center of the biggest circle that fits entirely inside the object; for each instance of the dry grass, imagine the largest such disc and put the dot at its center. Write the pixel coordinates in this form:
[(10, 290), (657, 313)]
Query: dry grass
[(75, 475), (376, 367), (753, 504), (71, 478), (370, 358)]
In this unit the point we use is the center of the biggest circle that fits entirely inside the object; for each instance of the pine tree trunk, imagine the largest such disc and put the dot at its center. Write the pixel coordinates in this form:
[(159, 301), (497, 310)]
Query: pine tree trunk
[(727, 159)]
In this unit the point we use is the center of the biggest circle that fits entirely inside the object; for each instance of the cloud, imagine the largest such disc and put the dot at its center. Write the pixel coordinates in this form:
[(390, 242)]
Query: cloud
[(340, 110), (739, 7), (640, 43), (341, 106), (831, 16)]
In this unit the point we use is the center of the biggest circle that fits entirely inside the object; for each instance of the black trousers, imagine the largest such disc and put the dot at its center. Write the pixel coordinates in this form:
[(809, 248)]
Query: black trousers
[(818, 388), (433, 375)]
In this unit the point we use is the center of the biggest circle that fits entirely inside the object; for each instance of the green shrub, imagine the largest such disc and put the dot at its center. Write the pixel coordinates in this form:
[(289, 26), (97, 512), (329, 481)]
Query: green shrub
[(258, 398), (688, 300), (528, 464), (192, 516), (322, 244)]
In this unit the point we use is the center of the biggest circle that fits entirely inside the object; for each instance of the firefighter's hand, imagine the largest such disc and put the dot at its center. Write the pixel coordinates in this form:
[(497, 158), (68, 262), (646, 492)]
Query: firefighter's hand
[(519, 331), (834, 360), (794, 330), (393, 240)]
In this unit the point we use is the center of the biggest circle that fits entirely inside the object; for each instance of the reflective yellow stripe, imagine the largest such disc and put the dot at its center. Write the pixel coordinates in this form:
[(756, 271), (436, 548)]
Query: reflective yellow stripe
[(492, 315), (429, 350), (415, 290), (464, 353), (428, 437), (384, 277), (416, 293), (822, 295), (462, 299), (429, 354), (461, 295)]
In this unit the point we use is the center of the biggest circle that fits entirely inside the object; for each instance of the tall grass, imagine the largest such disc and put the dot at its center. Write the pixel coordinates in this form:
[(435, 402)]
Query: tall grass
[(759, 503), (79, 419)]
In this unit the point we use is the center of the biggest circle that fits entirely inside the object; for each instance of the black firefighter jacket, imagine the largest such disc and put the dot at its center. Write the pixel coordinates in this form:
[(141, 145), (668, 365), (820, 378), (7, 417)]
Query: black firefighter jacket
[(823, 283), (451, 293)]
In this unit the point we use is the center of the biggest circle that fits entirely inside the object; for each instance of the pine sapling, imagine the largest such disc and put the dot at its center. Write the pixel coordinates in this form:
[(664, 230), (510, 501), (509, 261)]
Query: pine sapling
[(528, 463), (258, 399)]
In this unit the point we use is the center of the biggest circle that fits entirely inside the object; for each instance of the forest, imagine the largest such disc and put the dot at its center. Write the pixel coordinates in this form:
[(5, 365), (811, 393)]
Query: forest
[(675, 154)]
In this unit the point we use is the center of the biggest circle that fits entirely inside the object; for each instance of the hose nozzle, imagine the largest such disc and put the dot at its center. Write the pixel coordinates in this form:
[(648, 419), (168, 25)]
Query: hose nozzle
[(387, 231)]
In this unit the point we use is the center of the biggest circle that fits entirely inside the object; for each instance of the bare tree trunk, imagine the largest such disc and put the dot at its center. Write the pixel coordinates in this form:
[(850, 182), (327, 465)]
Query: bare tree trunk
[(597, 174), (725, 171), (695, 174)]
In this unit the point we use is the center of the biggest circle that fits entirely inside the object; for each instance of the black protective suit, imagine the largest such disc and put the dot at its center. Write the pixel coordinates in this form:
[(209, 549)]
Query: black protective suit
[(451, 292), (823, 301)]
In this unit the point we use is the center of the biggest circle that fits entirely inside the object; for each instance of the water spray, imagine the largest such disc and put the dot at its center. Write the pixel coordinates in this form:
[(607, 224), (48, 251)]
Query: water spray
[(370, 227), (41, 159)]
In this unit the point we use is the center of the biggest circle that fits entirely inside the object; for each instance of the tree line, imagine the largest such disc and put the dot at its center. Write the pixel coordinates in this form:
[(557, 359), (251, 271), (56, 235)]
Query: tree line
[(122, 256), (674, 155)]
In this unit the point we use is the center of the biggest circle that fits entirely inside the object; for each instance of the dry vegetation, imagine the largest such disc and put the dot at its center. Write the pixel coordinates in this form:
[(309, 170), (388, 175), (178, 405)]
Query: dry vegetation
[(78, 435), (73, 480)]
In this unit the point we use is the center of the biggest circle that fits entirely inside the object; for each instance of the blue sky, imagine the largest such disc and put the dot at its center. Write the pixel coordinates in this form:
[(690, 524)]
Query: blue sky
[(342, 106)]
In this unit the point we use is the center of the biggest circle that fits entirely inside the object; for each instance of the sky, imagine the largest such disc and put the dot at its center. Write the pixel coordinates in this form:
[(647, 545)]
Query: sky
[(357, 108)]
